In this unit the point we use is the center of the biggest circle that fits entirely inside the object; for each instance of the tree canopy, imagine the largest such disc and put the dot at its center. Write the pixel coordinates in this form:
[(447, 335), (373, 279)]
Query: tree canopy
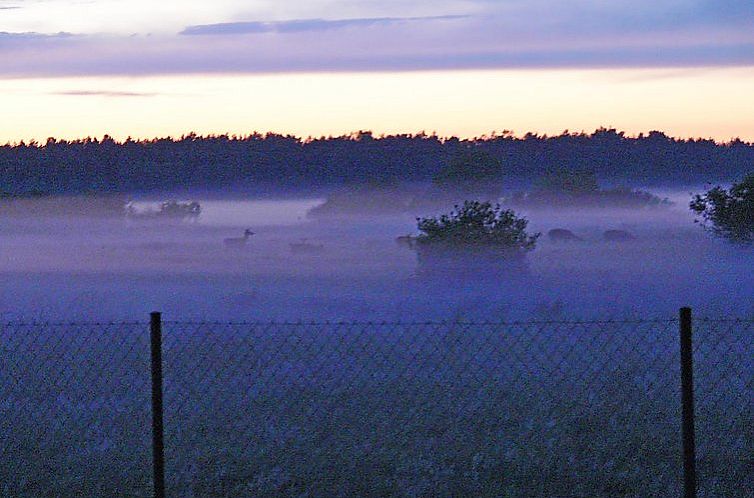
[(471, 170), (728, 213), (285, 161), (477, 224), (568, 181)]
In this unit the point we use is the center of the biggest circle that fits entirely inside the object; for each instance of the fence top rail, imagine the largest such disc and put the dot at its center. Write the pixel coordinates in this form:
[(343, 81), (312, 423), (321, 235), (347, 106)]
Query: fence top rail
[(42, 323), (416, 323), (704, 319), (370, 323)]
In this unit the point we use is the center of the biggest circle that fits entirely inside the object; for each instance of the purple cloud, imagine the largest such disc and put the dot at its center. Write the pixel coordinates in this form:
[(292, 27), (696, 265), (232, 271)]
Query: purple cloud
[(103, 93), (31, 36), (300, 25), (556, 37)]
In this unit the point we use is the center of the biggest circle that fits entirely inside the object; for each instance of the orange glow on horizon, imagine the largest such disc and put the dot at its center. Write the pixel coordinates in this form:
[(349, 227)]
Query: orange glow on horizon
[(695, 102)]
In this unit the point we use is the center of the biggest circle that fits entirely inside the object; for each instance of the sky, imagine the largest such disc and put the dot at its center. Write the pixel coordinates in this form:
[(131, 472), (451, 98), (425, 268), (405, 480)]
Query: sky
[(71, 68)]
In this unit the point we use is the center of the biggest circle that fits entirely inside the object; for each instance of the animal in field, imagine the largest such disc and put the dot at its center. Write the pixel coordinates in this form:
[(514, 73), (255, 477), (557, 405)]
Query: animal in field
[(618, 236), (406, 241), (305, 247), (238, 241), (563, 235)]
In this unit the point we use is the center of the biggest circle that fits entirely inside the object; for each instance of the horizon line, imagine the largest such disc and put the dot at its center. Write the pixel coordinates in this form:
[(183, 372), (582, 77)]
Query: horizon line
[(355, 135)]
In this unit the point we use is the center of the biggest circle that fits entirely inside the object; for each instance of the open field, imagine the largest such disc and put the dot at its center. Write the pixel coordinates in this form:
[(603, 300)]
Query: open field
[(76, 266), (473, 385)]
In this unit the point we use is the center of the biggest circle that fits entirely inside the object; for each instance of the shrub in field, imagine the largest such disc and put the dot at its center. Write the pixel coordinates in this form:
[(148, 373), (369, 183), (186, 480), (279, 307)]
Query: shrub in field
[(728, 213), (171, 209), (474, 241), (573, 187), (477, 224)]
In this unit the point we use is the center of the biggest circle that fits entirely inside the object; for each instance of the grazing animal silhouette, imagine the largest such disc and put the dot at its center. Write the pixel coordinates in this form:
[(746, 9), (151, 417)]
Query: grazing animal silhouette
[(238, 241), (562, 235), (406, 240), (618, 236)]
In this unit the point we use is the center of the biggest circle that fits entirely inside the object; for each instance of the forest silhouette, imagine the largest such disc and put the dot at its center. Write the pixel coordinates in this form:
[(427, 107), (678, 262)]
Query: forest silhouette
[(93, 165)]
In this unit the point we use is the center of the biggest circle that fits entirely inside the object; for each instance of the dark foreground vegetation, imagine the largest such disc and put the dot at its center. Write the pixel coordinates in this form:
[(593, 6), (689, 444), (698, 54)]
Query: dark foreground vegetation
[(444, 409), (728, 213), (97, 165)]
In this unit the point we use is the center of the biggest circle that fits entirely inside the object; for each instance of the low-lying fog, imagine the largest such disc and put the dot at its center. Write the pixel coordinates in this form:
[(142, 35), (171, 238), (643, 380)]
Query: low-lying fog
[(66, 260)]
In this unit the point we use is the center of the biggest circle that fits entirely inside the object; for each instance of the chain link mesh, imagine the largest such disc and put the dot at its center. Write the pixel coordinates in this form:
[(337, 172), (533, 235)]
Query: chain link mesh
[(75, 410), (724, 406), (425, 409), (374, 409)]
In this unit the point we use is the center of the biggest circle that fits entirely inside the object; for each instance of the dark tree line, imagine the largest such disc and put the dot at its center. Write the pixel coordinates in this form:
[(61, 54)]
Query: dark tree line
[(92, 165)]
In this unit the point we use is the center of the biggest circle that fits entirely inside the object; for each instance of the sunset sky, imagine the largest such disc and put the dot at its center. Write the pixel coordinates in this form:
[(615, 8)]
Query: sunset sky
[(72, 68)]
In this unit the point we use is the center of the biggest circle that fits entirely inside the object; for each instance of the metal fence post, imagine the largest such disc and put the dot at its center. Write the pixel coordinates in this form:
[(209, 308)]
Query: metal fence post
[(158, 449), (687, 405)]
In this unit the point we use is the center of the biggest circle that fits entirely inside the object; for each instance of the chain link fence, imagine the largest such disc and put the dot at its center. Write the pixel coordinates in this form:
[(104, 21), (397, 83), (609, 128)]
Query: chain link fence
[(375, 409), (724, 392), (74, 410)]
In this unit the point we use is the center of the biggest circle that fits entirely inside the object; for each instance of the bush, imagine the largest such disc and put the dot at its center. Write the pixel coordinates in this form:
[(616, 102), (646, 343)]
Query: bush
[(168, 210), (477, 224), (365, 199), (175, 209), (630, 198), (564, 187), (728, 213)]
